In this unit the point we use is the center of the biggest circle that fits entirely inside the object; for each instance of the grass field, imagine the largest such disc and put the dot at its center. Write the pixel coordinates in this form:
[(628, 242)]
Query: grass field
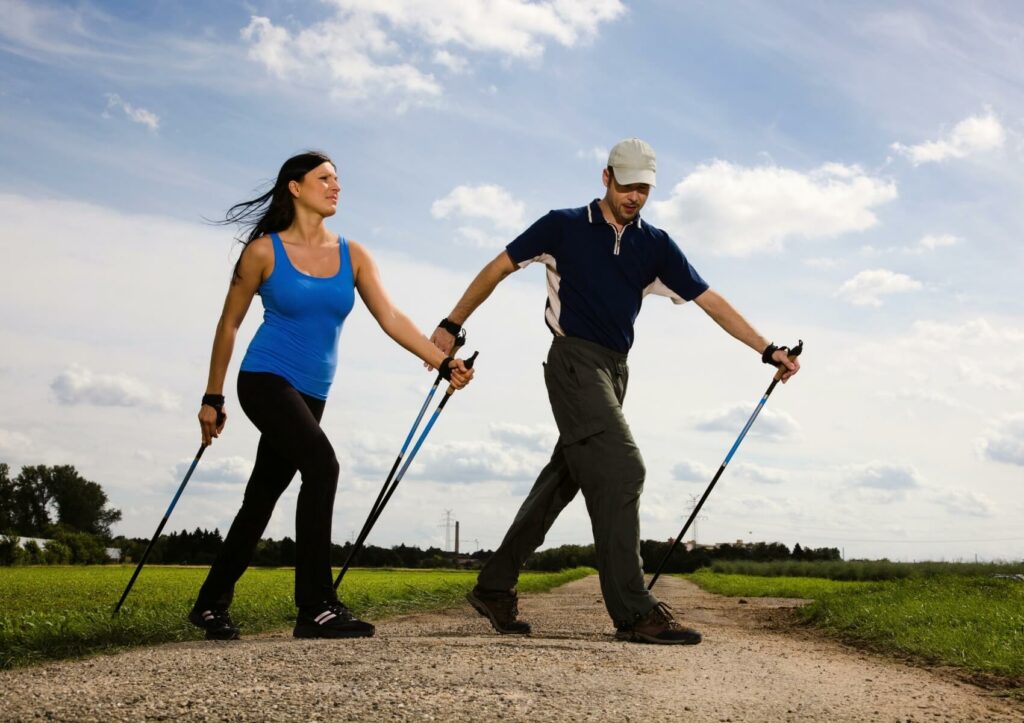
[(51, 612), (863, 569), (972, 622)]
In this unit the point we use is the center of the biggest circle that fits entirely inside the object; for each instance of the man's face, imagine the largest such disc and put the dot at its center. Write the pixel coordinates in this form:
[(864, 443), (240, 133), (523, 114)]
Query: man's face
[(625, 202)]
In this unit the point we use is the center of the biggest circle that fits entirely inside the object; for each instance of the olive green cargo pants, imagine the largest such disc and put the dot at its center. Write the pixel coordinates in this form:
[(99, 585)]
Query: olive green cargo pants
[(595, 453)]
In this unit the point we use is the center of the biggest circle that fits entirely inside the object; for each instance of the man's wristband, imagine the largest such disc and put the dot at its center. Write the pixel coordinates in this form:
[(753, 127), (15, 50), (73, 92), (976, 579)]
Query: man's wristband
[(450, 326), (214, 400), (769, 351)]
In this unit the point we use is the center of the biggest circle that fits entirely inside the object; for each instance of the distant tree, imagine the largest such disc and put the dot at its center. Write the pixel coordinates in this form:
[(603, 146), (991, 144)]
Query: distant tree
[(31, 502), (10, 551), (7, 501), (56, 553), (798, 552), (85, 549), (81, 504)]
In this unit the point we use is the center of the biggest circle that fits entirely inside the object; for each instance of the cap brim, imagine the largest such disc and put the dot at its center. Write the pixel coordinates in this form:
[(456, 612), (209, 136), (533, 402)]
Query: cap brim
[(629, 176)]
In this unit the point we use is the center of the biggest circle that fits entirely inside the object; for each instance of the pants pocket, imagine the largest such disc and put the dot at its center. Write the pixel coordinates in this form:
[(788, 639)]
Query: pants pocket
[(573, 395)]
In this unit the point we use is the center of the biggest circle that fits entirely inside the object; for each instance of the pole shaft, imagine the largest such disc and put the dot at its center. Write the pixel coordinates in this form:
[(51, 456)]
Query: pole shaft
[(159, 529), (714, 481), (379, 508)]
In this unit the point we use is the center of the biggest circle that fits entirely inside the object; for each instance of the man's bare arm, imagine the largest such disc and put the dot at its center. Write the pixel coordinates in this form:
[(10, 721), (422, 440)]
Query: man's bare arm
[(476, 293)]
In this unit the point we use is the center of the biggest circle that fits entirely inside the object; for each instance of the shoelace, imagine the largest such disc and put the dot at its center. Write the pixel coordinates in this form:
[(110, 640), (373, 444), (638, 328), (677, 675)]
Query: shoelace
[(221, 616), (663, 609), (340, 610)]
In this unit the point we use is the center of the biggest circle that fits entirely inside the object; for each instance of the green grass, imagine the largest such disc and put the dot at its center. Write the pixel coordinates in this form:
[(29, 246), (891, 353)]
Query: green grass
[(52, 612), (862, 569), (755, 586), (974, 623)]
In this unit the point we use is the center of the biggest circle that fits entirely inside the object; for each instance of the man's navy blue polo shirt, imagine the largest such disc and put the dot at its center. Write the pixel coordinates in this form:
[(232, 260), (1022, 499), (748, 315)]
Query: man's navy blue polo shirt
[(597, 278)]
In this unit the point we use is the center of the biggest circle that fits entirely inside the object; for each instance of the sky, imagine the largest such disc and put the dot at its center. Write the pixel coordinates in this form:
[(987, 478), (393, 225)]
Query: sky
[(849, 174)]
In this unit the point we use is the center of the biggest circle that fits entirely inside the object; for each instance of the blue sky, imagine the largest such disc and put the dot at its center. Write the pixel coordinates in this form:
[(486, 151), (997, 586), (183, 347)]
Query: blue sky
[(849, 174)]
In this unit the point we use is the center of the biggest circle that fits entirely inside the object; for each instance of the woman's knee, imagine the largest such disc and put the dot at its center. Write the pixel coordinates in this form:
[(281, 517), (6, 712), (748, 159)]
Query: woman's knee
[(320, 461)]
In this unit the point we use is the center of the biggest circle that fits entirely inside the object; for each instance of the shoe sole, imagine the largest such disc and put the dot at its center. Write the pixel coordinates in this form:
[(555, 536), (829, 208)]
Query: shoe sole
[(634, 637), (220, 636), (481, 608), (319, 632), (211, 635)]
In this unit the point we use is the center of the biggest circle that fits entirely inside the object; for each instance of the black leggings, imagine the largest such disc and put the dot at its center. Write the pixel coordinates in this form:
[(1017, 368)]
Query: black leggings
[(291, 440)]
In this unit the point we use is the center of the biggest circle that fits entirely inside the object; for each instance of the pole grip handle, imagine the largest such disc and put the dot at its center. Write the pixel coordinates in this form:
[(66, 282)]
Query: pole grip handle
[(792, 353)]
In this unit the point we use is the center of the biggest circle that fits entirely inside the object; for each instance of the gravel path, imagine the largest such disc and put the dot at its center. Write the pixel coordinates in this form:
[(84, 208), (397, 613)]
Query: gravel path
[(449, 666)]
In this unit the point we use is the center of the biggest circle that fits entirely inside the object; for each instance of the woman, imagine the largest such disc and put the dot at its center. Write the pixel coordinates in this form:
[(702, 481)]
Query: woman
[(306, 276)]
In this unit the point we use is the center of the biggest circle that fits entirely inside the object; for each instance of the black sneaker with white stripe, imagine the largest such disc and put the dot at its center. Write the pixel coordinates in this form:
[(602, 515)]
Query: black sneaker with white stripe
[(330, 620), (216, 622)]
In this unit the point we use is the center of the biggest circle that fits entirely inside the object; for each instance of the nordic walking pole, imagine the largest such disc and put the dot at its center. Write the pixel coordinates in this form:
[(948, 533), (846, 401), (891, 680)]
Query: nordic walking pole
[(160, 527), (377, 509), (793, 353), (460, 339)]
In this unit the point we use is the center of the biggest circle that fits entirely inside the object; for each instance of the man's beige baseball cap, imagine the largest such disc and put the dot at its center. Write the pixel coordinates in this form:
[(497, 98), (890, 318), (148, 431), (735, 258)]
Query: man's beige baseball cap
[(633, 162)]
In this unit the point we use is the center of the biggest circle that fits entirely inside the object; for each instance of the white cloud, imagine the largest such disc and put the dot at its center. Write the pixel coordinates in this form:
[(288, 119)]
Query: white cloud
[(340, 54), (13, 443), (517, 28), (868, 287), (137, 115), (536, 437), (370, 48), (596, 153), (224, 471), (883, 482), (770, 423), (691, 472), (974, 134), (476, 461), (479, 238), (78, 385), (823, 263), (932, 242), (738, 211), (1004, 442), (763, 475), (487, 201), (964, 502), (454, 63)]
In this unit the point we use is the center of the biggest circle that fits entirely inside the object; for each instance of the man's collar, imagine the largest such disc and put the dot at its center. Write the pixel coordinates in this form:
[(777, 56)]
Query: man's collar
[(595, 216)]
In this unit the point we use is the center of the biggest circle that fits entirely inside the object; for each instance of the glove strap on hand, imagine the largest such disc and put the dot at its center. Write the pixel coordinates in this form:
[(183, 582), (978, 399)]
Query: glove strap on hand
[(445, 370)]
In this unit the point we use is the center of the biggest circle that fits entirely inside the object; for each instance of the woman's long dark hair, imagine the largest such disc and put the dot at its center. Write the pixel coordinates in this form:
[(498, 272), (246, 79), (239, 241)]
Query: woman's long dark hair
[(275, 209)]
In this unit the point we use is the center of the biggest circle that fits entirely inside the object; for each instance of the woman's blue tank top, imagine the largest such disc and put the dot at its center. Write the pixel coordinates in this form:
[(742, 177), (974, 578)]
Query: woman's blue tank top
[(302, 320)]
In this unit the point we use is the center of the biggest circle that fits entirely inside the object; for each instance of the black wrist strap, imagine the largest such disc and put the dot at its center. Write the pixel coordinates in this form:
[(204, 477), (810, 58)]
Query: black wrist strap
[(214, 400), (445, 370), (450, 326), (769, 351)]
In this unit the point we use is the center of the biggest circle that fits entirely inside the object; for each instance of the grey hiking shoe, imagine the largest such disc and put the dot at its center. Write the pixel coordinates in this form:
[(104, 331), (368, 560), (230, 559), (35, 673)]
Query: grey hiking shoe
[(659, 627), (330, 620), (501, 607), (216, 622)]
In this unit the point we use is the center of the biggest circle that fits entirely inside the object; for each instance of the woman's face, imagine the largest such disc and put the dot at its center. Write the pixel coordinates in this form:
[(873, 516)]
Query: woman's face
[(318, 190)]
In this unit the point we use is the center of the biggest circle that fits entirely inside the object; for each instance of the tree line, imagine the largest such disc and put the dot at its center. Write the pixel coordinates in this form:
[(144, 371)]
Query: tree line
[(200, 547), (682, 560)]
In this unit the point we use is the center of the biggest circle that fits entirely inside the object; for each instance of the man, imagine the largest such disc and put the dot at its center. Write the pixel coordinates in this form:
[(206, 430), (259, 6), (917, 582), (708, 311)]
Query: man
[(601, 260)]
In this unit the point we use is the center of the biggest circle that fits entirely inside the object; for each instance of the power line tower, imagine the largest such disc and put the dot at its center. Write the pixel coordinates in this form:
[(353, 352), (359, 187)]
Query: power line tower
[(693, 501), (447, 525)]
